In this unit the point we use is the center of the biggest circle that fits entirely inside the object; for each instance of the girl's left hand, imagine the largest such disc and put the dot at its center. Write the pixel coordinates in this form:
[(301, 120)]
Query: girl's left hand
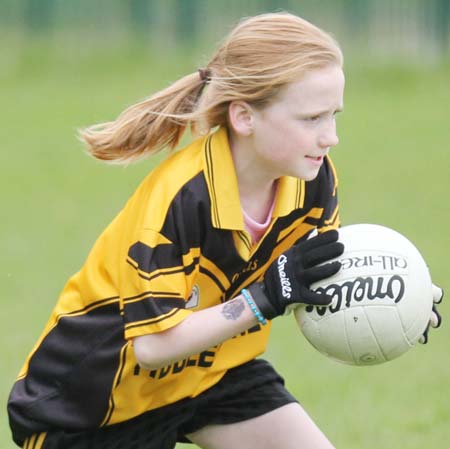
[(435, 319)]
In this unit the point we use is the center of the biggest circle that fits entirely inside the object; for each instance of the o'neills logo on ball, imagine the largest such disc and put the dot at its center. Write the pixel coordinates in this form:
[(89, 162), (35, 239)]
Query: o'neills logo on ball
[(361, 289), (284, 280)]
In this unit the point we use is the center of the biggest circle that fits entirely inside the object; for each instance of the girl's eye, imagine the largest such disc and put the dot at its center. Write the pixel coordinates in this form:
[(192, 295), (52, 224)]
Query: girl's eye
[(313, 118)]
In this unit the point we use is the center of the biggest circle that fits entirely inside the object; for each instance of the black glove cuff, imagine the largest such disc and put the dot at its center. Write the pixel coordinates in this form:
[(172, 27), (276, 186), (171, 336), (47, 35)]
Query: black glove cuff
[(257, 290)]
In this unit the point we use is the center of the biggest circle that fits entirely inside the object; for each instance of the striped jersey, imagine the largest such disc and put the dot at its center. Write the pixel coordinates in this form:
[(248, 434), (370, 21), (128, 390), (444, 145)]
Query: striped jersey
[(179, 245)]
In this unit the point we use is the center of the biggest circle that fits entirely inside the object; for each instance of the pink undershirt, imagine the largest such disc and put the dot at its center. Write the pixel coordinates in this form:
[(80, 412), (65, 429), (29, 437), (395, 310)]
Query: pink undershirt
[(255, 229)]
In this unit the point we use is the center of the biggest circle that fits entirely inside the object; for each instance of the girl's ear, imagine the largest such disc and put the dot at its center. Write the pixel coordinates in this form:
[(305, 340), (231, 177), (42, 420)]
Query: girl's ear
[(240, 117)]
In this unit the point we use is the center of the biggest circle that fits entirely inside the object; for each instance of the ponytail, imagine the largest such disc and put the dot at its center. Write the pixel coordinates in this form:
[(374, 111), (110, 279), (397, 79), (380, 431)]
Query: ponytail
[(261, 55), (148, 126)]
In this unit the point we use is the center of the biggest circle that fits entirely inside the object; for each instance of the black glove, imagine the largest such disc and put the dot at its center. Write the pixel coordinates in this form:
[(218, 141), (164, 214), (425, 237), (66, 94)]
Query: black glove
[(435, 318), (288, 279)]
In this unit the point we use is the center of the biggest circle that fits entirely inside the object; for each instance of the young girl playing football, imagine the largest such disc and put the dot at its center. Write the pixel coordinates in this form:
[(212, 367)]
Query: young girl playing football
[(155, 340)]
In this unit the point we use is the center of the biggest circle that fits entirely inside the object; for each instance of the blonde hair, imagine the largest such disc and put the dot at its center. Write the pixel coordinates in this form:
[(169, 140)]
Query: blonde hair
[(259, 56)]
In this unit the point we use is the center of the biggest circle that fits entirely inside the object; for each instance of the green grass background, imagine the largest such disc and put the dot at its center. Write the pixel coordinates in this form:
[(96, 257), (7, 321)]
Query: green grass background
[(394, 170)]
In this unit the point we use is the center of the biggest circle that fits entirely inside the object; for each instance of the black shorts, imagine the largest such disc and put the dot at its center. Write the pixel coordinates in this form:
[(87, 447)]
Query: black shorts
[(245, 392)]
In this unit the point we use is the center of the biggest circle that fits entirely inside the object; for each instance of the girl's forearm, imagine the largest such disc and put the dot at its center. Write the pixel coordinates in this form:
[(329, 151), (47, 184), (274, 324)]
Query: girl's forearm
[(198, 332)]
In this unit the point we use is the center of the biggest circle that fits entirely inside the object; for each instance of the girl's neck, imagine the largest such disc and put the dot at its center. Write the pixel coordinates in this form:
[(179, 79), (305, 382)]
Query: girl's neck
[(258, 203), (257, 185)]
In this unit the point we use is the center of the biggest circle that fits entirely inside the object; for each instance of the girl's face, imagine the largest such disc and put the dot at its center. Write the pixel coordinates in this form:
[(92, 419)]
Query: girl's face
[(292, 134)]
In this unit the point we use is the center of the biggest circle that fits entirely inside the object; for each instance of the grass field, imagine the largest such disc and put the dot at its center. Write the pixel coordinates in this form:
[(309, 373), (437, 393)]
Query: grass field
[(394, 170)]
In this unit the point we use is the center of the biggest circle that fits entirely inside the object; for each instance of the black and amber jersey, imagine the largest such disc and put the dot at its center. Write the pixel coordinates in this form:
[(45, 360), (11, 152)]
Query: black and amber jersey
[(179, 245)]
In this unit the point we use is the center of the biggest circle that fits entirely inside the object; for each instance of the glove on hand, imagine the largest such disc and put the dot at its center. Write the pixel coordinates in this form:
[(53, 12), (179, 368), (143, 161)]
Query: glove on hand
[(435, 319), (288, 279)]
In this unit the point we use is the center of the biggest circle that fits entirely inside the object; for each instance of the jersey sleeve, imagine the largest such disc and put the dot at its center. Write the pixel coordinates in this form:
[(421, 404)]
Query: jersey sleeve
[(330, 218), (156, 284)]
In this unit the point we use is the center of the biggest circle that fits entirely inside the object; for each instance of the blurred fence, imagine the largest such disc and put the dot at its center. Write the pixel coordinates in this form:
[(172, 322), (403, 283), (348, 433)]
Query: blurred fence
[(410, 28)]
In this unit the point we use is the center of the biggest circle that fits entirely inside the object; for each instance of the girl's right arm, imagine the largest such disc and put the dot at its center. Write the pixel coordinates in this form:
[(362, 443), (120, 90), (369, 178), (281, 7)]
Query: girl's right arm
[(199, 331)]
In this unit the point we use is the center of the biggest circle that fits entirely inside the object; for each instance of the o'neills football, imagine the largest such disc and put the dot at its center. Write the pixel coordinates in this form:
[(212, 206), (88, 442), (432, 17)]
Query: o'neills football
[(382, 299)]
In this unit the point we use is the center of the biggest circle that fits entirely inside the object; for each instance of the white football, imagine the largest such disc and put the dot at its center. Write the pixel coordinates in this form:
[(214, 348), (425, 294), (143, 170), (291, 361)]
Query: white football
[(382, 299)]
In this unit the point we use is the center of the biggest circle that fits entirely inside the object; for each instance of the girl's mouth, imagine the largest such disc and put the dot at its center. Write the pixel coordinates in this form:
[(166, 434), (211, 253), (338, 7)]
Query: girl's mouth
[(315, 158)]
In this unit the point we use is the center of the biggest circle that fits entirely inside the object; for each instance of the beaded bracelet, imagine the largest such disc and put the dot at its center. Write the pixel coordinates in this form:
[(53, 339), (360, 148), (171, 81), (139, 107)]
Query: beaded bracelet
[(259, 316)]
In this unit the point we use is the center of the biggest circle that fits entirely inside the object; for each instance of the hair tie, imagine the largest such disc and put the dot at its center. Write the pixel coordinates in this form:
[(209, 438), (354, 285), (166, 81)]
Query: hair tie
[(205, 75)]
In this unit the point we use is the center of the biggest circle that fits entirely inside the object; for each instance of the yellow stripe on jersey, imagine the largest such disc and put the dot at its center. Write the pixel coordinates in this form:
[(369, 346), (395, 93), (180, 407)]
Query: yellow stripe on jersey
[(335, 177), (40, 441), (36, 441), (226, 212), (242, 242), (117, 380), (88, 308), (156, 273), (301, 193), (334, 216), (332, 223), (29, 442), (221, 280), (313, 213), (188, 259), (210, 180), (150, 294), (290, 196), (157, 324)]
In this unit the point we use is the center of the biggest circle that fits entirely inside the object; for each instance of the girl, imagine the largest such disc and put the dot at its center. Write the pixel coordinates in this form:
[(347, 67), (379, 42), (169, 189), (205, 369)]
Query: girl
[(155, 339)]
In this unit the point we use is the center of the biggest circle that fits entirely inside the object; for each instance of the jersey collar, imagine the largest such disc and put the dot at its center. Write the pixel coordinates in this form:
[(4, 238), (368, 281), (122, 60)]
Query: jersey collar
[(223, 188)]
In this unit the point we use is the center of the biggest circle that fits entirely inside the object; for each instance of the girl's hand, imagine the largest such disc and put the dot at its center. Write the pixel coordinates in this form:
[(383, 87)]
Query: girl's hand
[(435, 318), (288, 280)]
